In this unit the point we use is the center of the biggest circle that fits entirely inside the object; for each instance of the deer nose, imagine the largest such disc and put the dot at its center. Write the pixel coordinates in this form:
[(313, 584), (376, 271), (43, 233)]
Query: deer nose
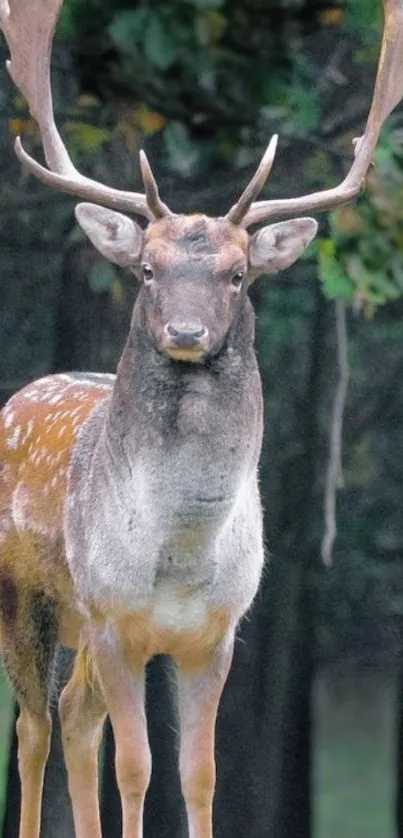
[(186, 334)]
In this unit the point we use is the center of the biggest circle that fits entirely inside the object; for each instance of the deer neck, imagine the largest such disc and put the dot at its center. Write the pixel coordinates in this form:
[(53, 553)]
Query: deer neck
[(156, 399)]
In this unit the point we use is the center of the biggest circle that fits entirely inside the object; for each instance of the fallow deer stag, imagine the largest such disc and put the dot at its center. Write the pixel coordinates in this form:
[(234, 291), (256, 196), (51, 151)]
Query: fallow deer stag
[(130, 519)]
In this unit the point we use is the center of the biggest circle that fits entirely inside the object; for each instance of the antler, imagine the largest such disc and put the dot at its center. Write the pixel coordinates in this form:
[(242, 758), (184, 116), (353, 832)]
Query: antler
[(387, 93), (28, 26), (239, 210)]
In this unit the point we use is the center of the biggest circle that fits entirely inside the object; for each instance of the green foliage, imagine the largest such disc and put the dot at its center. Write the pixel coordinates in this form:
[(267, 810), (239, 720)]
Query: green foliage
[(335, 280), (144, 31), (305, 110), (203, 67), (199, 74), (84, 136), (181, 153), (362, 261), (363, 17)]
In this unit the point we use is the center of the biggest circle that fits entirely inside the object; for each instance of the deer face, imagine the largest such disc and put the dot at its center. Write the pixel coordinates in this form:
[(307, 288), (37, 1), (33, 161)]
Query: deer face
[(194, 271)]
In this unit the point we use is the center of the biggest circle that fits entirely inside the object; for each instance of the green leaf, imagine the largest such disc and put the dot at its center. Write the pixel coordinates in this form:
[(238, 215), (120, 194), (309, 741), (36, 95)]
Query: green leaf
[(396, 267), (383, 154), (128, 27), (335, 281), (375, 298), (362, 17), (65, 26), (384, 286), (326, 247), (311, 251), (183, 155), (305, 108), (84, 136), (101, 277), (159, 46)]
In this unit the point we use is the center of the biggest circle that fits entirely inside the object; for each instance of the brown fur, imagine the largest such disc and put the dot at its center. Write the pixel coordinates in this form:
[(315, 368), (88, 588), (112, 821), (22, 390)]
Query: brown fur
[(170, 238), (190, 649), (36, 469)]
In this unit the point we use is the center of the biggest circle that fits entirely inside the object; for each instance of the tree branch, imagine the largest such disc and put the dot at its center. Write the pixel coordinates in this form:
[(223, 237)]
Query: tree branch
[(334, 476)]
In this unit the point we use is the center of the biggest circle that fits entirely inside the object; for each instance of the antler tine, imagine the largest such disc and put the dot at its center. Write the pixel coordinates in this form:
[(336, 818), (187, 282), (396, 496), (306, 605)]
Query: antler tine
[(157, 207), (85, 187), (28, 27), (239, 210), (387, 93)]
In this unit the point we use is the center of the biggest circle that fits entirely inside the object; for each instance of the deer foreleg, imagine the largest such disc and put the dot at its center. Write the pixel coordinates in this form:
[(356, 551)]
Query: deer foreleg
[(199, 693), (123, 685)]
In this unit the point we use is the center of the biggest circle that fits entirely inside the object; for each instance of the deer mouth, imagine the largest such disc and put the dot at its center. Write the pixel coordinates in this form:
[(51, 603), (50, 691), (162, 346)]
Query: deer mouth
[(193, 355)]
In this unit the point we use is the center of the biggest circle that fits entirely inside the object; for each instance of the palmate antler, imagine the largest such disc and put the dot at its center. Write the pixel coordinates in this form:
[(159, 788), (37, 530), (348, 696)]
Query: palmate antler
[(387, 93), (28, 27)]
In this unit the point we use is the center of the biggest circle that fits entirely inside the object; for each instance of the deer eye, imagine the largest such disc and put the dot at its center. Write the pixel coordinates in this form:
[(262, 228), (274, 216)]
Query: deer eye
[(237, 279), (148, 273)]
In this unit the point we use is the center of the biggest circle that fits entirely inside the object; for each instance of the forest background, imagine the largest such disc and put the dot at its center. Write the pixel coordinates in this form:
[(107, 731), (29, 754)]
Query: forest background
[(308, 735)]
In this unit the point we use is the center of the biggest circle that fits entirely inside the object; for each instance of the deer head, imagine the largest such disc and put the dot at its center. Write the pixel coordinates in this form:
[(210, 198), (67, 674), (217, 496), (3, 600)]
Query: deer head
[(194, 269)]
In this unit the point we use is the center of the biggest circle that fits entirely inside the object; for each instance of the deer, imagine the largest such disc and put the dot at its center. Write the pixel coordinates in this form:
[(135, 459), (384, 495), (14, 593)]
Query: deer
[(130, 514)]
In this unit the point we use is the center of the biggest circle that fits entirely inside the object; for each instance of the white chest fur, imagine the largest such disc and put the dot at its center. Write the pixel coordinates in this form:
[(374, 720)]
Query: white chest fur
[(177, 532), (175, 608)]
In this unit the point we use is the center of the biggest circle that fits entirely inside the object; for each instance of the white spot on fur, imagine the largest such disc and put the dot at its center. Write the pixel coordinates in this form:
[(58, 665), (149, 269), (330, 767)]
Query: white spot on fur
[(12, 440), (23, 514), (28, 431), (5, 528), (8, 418)]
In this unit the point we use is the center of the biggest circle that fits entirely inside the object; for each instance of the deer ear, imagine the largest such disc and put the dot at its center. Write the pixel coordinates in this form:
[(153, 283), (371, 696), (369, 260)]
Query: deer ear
[(276, 247), (117, 237)]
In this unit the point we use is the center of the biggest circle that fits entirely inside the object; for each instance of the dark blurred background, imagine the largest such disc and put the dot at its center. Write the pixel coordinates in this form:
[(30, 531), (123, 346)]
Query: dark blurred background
[(309, 727)]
